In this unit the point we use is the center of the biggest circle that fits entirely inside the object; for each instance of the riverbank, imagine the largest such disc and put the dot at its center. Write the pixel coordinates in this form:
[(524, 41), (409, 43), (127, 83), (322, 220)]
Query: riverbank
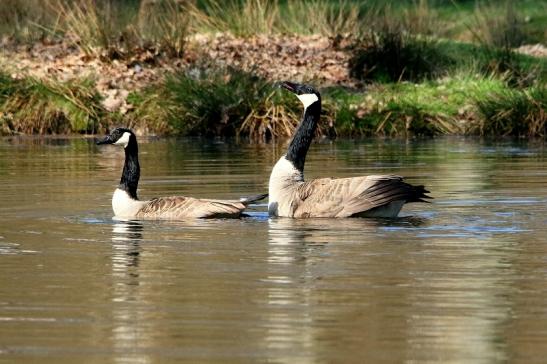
[(386, 81)]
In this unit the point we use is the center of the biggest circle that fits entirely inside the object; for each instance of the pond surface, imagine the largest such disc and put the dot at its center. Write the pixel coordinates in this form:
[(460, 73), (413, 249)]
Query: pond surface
[(463, 279)]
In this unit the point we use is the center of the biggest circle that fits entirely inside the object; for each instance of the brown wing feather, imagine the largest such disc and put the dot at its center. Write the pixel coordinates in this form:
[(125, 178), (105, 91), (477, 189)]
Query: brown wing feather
[(179, 207), (326, 197), (343, 197)]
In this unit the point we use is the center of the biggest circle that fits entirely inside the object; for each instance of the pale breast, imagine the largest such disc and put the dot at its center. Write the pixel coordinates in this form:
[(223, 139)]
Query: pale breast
[(125, 206), (284, 179)]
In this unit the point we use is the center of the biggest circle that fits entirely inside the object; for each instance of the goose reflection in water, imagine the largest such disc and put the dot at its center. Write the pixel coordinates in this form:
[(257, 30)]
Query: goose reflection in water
[(127, 319), (309, 293), (292, 254), (299, 257), (126, 238)]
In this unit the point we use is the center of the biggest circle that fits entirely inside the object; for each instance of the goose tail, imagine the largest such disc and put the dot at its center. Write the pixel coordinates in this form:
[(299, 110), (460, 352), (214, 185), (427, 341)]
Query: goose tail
[(249, 200), (419, 194)]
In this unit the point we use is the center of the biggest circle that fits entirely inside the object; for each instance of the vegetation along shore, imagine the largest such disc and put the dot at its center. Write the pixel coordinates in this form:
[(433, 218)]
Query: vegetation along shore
[(205, 67)]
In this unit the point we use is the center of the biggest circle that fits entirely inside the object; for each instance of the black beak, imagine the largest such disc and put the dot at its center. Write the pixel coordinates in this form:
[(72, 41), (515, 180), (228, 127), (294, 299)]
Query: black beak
[(106, 140), (289, 86)]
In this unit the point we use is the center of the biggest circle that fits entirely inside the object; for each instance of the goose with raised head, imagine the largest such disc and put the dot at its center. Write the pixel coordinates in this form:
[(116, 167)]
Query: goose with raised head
[(365, 196), (126, 204)]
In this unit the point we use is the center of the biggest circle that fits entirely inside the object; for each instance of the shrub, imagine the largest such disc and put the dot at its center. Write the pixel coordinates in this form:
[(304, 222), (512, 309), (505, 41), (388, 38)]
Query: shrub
[(393, 55)]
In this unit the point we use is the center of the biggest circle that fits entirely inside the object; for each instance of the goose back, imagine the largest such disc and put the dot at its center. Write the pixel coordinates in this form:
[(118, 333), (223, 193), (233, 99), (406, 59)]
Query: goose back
[(180, 207), (371, 196)]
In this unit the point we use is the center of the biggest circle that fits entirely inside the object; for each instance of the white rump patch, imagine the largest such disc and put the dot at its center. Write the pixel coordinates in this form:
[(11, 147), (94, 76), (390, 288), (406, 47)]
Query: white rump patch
[(124, 140), (307, 99)]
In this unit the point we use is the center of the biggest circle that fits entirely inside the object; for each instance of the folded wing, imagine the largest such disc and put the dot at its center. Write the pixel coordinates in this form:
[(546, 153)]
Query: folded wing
[(179, 207), (344, 197)]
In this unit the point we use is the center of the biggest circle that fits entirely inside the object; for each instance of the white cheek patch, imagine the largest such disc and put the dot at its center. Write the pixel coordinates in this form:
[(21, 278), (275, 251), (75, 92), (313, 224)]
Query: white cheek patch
[(124, 140), (308, 99)]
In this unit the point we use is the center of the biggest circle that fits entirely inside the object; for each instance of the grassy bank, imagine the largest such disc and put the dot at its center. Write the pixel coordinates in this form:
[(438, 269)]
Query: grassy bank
[(226, 101), (415, 68), (461, 104), (33, 106), (231, 102), (457, 104)]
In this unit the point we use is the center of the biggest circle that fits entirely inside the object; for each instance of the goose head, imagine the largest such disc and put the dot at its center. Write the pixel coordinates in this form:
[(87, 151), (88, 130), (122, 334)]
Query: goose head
[(305, 93), (127, 189), (119, 136)]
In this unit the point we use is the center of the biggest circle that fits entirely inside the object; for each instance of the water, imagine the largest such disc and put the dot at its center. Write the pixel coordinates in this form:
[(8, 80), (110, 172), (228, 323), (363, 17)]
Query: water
[(463, 279)]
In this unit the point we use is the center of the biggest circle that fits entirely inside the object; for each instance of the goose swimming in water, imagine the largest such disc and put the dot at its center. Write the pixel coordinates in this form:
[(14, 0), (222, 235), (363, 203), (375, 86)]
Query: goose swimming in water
[(126, 204), (366, 196)]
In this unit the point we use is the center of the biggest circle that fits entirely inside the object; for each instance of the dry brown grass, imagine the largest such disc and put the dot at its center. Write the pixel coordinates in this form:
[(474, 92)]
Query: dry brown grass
[(89, 27), (240, 18), (271, 120)]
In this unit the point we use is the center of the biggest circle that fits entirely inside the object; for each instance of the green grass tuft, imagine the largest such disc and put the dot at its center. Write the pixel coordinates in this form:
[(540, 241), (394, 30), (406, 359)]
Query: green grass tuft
[(514, 112), (214, 101), (33, 106)]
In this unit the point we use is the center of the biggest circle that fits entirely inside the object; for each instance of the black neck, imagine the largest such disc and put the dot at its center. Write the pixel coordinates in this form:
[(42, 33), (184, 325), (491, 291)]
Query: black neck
[(131, 169), (298, 148)]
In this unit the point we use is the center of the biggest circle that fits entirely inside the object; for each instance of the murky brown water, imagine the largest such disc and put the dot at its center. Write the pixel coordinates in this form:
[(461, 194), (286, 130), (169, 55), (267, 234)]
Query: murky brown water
[(463, 279)]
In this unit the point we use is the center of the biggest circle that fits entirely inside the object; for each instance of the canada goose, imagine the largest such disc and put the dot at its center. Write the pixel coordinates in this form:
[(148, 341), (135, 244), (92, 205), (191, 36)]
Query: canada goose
[(126, 204), (366, 196)]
